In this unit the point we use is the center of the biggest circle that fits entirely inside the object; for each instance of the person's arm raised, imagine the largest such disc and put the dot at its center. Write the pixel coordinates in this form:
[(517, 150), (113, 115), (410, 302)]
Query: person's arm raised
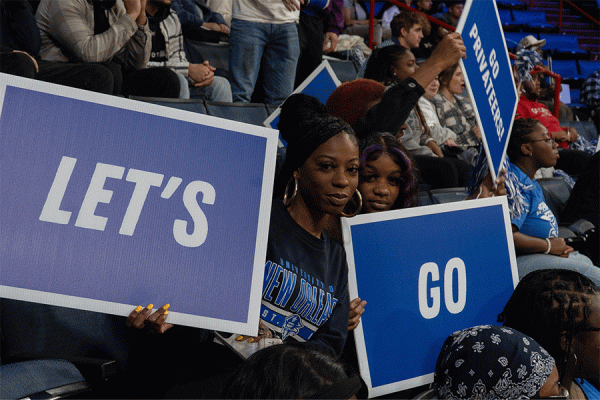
[(447, 53)]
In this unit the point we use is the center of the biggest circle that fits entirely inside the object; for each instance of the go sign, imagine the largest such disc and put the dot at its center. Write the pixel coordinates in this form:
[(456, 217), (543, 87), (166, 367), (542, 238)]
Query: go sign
[(425, 272)]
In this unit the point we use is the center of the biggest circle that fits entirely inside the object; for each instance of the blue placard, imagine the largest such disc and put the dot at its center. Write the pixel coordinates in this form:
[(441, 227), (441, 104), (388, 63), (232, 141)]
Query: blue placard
[(425, 272), (320, 84), (108, 203), (488, 77)]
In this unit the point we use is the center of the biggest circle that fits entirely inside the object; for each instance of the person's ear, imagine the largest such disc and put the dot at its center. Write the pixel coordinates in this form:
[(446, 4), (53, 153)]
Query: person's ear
[(526, 149), (403, 32)]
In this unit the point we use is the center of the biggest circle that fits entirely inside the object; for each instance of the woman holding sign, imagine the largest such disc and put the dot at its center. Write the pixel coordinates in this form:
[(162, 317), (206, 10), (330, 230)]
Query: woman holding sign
[(535, 229), (305, 294)]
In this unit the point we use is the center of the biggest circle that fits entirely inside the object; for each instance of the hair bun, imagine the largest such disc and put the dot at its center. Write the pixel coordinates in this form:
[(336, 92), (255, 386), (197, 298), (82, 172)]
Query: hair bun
[(298, 110)]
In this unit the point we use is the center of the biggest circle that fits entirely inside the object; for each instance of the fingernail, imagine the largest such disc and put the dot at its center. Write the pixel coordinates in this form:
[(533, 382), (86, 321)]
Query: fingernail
[(251, 340), (166, 313), (166, 307), (138, 309), (150, 306), (239, 338)]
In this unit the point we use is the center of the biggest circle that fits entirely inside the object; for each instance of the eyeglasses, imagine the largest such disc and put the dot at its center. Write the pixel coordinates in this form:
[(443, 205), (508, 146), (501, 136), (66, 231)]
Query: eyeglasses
[(548, 141)]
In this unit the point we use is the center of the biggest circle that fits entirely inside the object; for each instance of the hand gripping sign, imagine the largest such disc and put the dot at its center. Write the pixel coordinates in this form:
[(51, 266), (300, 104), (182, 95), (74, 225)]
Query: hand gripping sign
[(425, 273), (108, 203), (488, 77)]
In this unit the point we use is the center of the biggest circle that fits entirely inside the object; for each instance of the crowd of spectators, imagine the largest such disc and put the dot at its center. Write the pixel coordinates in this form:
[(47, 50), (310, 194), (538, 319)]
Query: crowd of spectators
[(406, 125)]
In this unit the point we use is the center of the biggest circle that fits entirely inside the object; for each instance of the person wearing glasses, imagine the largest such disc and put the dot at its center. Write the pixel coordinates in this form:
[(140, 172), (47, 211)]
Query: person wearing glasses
[(494, 362), (535, 229), (560, 309)]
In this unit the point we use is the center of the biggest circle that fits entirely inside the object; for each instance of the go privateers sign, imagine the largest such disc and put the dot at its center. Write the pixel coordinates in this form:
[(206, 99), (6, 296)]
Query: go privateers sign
[(108, 203), (488, 77)]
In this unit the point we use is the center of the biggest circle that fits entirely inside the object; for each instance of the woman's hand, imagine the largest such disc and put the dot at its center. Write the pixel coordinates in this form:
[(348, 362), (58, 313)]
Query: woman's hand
[(487, 189), (357, 308), (450, 142), (263, 332), (153, 323), (560, 248), (435, 148)]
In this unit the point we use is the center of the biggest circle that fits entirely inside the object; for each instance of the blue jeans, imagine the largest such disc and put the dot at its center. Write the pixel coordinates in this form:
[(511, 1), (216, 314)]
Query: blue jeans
[(219, 90), (575, 262), (275, 47)]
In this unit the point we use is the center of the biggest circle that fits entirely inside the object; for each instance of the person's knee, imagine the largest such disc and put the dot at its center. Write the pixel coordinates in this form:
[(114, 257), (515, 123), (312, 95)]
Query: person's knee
[(17, 63)]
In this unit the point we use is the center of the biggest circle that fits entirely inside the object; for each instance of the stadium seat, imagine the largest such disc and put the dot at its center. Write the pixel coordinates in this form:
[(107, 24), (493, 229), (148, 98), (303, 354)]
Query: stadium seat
[(511, 4), (251, 113), (556, 192), (587, 67), (344, 70), (563, 45), (533, 20), (567, 69), (192, 105), (505, 17), (449, 195), (41, 379), (216, 53)]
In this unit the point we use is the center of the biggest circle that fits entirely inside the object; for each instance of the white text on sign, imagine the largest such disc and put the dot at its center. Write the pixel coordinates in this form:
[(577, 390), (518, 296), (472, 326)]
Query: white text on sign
[(487, 79), (143, 180), (425, 293)]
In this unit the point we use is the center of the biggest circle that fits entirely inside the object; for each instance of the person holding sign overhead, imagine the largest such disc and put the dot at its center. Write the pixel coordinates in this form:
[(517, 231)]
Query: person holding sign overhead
[(535, 229)]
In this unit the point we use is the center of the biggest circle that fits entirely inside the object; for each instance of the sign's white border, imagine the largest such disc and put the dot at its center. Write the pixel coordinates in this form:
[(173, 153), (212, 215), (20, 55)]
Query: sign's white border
[(347, 223), (248, 328)]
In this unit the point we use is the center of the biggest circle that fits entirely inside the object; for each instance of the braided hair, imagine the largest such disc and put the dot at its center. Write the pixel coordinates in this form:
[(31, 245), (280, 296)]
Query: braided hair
[(521, 129), (379, 66), (372, 147), (548, 305)]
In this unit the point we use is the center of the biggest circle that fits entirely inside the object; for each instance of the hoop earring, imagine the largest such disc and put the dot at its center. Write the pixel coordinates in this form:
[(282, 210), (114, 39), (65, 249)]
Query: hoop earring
[(359, 206), (287, 203)]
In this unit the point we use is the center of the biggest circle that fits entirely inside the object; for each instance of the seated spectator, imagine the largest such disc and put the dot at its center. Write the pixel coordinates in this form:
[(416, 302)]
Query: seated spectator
[(455, 112), (408, 29), (430, 40), (292, 372), (20, 40), (199, 22), (374, 115), (167, 51), (445, 136), (112, 33), (590, 96), (571, 161), (560, 309), (263, 33), (535, 229), (451, 17), (393, 64), (356, 22), (492, 362)]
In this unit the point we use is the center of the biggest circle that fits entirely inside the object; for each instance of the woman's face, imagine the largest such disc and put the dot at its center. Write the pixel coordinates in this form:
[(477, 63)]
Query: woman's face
[(424, 5), (457, 83), (541, 147), (380, 184), (432, 89), (404, 66), (329, 177), (586, 344)]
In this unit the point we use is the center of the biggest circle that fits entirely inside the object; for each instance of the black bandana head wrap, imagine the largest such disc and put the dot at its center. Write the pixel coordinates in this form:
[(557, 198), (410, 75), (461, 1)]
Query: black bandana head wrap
[(305, 124), (491, 362)]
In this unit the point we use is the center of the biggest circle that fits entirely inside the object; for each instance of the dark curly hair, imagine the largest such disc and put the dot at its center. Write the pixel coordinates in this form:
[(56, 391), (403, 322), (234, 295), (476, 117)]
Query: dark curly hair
[(548, 305), (372, 147), (519, 135)]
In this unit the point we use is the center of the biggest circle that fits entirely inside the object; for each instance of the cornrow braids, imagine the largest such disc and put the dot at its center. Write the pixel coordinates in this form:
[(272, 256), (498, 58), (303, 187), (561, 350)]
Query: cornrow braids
[(521, 129), (549, 304)]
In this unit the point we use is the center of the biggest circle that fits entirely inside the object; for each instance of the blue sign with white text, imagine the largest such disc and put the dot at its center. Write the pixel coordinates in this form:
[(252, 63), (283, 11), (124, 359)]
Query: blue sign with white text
[(488, 76), (425, 273), (115, 205)]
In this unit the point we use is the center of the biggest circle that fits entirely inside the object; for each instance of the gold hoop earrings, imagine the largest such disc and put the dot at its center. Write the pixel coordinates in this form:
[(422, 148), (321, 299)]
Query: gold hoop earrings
[(287, 203), (357, 209)]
